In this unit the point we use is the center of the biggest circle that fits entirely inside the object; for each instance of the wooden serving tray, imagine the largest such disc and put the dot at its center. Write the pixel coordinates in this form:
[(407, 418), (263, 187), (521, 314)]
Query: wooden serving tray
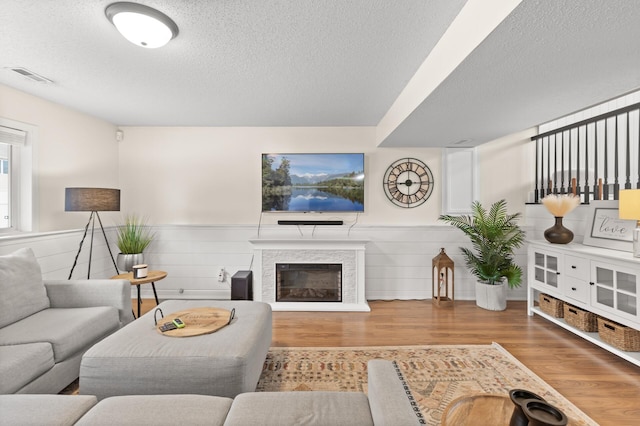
[(197, 321), (480, 409)]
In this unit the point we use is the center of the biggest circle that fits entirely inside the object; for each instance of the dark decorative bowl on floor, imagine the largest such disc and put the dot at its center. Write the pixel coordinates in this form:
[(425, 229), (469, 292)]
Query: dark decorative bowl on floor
[(518, 396), (541, 413)]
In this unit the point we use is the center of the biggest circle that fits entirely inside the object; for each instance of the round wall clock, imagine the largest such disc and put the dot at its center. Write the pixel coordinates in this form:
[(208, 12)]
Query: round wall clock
[(408, 182)]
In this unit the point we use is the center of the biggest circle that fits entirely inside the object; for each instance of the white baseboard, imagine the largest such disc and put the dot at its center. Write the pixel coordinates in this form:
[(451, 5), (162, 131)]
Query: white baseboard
[(186, 294), (320, 307)]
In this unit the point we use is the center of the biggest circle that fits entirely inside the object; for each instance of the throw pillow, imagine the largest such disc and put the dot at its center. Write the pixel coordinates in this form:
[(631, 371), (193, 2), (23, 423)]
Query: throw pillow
[(22, 292)]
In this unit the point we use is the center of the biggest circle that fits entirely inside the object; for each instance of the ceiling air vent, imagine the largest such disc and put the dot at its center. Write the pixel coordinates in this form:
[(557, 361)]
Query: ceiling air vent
[(30, 75)]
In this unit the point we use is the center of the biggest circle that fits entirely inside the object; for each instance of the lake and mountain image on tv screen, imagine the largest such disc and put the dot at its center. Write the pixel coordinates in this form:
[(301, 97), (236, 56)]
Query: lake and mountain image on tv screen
[(313, 182)]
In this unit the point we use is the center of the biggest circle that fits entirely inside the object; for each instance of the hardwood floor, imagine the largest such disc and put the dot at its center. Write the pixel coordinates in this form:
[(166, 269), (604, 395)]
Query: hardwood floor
[(602, 385)]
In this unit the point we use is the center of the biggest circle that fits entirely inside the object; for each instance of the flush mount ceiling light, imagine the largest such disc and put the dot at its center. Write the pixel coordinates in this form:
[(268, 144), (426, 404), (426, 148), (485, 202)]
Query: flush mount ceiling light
[(142, 25)]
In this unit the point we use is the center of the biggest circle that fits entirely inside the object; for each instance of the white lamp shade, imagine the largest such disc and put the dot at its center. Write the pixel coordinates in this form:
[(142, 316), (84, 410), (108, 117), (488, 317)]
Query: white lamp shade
[(142, 25)]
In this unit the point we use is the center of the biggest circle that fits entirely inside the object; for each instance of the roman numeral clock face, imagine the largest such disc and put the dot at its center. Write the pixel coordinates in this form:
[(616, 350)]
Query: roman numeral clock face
[(408, 182)]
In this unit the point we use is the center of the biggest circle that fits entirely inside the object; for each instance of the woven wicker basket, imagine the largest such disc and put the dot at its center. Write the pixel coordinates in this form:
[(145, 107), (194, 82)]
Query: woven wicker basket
[(580, 319), (550, 305), (617, 335)]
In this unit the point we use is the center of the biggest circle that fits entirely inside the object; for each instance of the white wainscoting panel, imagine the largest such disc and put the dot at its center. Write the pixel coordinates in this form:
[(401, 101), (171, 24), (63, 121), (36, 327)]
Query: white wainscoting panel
[(56, 252), (398, 258)]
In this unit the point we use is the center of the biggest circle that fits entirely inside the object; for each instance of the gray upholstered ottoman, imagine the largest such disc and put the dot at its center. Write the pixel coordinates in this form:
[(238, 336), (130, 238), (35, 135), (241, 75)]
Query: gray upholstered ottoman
[(137, 360)]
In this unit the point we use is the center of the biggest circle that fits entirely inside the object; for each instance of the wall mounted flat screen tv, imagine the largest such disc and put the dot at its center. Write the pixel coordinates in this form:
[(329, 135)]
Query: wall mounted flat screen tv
[(312, 182)]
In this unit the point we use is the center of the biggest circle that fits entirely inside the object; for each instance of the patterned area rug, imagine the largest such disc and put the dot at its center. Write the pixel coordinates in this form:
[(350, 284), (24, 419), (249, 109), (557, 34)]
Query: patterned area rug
[(437, 374)]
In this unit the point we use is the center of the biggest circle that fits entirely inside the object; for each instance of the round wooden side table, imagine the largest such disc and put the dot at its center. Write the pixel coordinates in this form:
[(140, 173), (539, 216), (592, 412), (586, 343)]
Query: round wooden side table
[(152, 277)]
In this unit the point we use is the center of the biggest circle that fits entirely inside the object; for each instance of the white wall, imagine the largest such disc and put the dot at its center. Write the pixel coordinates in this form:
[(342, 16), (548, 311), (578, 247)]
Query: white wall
[(507, 170), (213, 175), (200, 188), (73, 149)]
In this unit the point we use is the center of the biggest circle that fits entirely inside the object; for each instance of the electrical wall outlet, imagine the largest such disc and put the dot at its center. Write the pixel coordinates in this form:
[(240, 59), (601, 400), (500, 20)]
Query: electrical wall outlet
[(221, 275)]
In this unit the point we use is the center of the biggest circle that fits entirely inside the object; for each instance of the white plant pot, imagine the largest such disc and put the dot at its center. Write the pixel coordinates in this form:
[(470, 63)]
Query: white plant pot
[(491, 297)]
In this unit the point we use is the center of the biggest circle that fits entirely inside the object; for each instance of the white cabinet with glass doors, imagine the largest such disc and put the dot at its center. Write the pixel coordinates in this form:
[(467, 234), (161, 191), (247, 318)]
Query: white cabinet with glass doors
[(603, 281)]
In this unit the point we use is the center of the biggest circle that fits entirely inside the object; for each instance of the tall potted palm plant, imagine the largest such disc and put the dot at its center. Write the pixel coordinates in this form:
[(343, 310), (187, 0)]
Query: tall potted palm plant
[(494, 236), (133, 237)]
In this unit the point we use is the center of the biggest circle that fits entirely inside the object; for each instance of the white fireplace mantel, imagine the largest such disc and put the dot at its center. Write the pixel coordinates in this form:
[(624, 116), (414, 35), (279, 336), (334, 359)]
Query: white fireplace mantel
[(347, 252)]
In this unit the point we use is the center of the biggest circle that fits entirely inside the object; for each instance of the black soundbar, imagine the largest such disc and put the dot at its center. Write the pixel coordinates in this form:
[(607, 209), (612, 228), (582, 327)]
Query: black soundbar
[(310, 222)]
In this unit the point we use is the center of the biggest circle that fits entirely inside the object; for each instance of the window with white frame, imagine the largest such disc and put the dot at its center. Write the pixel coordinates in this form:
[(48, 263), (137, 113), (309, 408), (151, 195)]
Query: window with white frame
[(5, 184), (16, 176)]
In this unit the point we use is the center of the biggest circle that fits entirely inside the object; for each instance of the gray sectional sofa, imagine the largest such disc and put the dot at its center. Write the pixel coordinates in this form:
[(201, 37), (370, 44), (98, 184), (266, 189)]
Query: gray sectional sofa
[(46, 326), (388, 402)]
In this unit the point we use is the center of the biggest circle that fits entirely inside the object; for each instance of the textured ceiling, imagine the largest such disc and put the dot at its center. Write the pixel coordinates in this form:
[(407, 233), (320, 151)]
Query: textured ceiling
[(325, 63), (234, 62)]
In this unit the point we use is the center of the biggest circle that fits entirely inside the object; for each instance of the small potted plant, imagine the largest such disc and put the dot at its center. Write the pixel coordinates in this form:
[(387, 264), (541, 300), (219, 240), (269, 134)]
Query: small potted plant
[(133, 237), (494, 236)]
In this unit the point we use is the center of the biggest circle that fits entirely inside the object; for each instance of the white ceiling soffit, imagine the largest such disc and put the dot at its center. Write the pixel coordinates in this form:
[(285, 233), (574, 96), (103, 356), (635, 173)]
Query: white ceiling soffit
[(547, 59), (234, 63)]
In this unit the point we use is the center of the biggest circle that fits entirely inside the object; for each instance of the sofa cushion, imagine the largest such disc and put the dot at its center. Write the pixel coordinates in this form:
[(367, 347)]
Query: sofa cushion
[(68, 330), (300, 408), (21, 286), (38, 410), (37, 356), (158, 410)]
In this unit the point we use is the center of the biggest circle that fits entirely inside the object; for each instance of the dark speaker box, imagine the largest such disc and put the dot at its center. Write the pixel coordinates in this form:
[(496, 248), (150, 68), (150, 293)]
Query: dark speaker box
[(241, 285)]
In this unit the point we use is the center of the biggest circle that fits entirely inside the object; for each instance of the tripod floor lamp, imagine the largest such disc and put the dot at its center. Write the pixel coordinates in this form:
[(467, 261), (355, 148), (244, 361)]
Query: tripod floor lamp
[(91, 200)]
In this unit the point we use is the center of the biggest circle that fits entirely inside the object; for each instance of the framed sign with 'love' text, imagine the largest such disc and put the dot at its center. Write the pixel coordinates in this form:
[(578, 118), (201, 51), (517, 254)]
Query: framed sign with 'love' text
[(605, 229)]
